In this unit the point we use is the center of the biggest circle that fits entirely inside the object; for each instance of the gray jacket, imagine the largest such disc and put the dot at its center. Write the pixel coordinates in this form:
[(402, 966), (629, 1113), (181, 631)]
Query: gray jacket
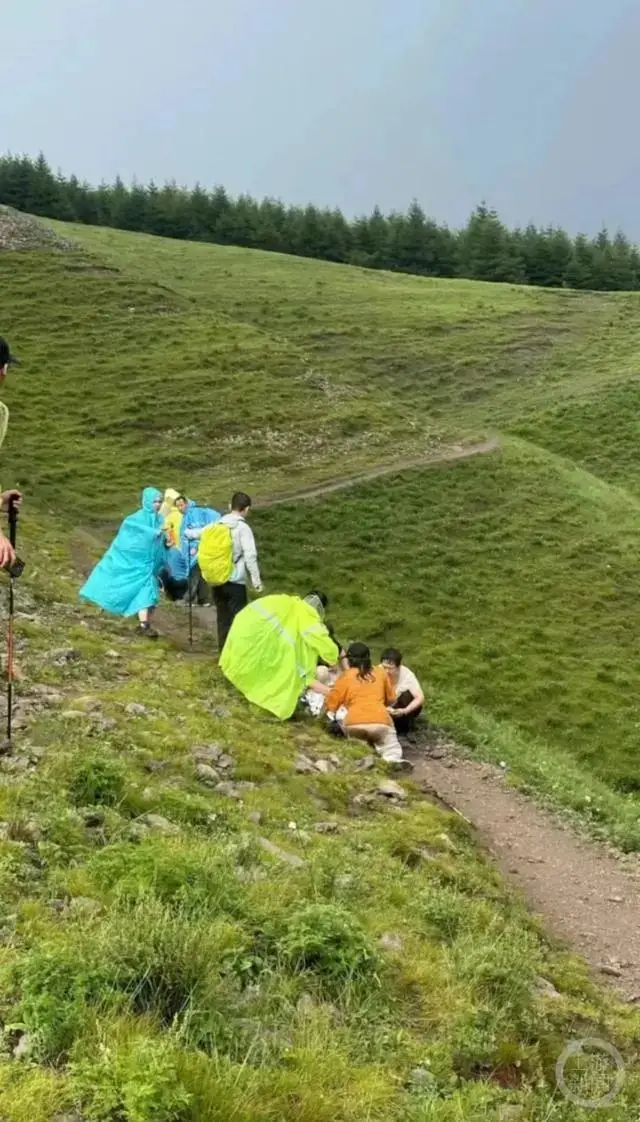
[(245, 554)]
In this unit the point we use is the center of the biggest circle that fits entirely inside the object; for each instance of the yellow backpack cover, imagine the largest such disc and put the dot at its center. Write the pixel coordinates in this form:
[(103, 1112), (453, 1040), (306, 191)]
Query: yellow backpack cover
[(215, 553)]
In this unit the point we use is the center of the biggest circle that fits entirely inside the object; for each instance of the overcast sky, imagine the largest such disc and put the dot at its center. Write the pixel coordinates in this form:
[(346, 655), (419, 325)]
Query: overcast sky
[(529, 104)]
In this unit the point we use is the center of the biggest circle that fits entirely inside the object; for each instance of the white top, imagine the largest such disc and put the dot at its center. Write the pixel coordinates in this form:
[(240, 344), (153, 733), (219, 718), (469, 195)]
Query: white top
[(407, 681), (245, 554)]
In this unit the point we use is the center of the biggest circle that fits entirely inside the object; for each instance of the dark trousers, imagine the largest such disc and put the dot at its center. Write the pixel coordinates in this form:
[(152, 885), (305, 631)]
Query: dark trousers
[(405, 725), (229, 599), (200, 591)]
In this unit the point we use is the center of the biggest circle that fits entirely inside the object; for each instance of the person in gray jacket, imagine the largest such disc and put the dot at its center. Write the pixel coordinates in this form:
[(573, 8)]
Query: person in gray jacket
[(232, 597)]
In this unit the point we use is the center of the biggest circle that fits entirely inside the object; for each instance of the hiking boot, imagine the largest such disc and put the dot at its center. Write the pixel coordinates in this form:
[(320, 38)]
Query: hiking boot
[(146, 631)]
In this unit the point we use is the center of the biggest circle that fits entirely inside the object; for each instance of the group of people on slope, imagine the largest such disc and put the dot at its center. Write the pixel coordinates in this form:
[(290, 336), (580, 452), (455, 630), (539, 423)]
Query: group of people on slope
[(280, 652), (277, 650), (157, 548)]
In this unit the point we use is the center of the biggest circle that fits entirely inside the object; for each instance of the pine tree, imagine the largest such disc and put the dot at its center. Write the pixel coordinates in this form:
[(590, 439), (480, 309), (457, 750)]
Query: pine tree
[(488, 251)]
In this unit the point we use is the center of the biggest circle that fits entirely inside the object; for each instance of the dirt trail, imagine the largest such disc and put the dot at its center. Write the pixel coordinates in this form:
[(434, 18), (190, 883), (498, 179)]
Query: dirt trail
[(451, 455), (585, 894)]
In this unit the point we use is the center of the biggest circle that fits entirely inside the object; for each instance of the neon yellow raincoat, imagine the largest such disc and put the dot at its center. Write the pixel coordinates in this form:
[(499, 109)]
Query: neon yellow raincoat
[(272, 651)]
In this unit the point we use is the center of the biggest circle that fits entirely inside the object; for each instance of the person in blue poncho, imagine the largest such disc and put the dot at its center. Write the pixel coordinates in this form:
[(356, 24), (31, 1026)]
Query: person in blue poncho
[(126, 581), (194, 519)]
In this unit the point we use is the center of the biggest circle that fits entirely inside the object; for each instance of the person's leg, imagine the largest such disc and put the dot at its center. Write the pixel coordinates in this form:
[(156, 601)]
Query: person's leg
[(223, 614), (145, 617), (238, 599), (382, 737), (388, 745), (405, 725), (203, 591)]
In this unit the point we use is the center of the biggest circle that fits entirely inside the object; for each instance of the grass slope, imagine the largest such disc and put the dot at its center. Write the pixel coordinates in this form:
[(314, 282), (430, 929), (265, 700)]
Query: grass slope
[(170, 968), (208, 365), (511, 583), (178, 968)]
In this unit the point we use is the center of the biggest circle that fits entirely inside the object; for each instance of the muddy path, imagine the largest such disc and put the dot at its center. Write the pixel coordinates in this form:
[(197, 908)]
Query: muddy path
[(585, 893)]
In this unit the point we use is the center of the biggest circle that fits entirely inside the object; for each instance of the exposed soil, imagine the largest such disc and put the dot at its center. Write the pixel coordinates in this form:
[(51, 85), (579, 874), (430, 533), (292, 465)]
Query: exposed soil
[(451, 455), (586, 894)]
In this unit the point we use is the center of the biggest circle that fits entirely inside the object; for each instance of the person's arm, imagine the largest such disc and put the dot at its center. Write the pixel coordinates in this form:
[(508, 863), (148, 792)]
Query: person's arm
[(389, 695), (337, 695), (250, 554), (7, 552), (319, 687), (416, 703)]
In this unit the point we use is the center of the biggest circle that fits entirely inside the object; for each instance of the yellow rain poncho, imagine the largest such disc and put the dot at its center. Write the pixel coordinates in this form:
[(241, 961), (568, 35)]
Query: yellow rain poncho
[(172, 517), (272, 651)]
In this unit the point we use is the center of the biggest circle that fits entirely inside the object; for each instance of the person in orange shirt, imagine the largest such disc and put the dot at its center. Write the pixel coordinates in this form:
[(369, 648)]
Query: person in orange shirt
[(366, 694)]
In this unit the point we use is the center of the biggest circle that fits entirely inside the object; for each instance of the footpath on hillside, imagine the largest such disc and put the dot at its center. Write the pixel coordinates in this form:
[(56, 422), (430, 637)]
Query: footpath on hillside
[(585, 893), (451, 455)]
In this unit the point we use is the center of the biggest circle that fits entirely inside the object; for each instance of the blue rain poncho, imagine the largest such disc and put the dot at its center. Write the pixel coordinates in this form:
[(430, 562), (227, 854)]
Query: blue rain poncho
[(195, 517), (125, 581)]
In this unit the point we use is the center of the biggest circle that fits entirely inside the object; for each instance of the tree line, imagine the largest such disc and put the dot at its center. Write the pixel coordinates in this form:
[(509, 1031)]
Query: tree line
[(411, 242)]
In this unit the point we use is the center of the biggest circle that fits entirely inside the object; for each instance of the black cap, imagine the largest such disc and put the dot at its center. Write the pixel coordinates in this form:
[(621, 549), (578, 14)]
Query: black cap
[(6, 358)]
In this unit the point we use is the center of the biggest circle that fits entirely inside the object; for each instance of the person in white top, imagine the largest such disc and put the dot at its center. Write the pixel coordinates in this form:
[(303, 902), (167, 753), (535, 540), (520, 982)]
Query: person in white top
[(408, 693)]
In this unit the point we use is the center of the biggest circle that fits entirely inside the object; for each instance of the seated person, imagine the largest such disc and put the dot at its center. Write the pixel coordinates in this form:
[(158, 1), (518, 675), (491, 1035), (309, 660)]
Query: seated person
[(408, 695), (366, 694)]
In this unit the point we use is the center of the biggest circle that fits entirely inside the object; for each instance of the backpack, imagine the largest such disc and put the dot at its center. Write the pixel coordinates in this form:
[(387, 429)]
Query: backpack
[(215, 554)]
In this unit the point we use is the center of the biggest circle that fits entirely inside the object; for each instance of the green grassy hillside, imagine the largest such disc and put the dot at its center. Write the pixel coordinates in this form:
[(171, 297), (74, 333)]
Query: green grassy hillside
[(206, 364), (160, 960), (281, 946)]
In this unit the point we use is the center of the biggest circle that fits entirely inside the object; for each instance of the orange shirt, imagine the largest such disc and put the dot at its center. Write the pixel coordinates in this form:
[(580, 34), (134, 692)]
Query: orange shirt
[(365, 699)]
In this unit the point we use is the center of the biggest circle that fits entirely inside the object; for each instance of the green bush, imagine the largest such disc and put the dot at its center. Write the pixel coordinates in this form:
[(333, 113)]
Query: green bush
[(135, 1080), (327, 940), (97, 780)]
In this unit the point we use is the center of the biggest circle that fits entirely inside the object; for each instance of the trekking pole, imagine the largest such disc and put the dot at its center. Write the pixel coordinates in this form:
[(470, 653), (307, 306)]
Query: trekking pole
[(190, 593), (13, 533)]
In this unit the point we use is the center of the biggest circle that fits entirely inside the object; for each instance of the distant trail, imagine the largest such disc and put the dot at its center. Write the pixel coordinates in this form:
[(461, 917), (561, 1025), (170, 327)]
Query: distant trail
[(585, 892), (449, 456)]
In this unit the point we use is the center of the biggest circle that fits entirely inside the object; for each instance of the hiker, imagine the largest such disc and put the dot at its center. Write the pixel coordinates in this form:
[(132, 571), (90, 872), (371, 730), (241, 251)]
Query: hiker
[(408, 695), (11, 498), (196, 519), (171, 511), (366, 694), (272, 650), (173, 576), (125, 582), (228, 558)]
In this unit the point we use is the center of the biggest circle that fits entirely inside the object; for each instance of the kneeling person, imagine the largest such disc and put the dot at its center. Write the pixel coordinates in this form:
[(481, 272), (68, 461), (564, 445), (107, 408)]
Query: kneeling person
[(366, 694)]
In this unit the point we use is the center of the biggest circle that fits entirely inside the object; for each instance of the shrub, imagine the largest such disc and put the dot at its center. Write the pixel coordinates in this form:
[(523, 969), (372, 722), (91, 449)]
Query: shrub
[(97, 780), (136, 1080), (328, 941)]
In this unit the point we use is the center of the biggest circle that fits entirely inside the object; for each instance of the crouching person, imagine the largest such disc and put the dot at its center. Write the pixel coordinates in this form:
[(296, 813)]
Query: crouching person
[(408, 695), (366, 695), (272, 651)]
